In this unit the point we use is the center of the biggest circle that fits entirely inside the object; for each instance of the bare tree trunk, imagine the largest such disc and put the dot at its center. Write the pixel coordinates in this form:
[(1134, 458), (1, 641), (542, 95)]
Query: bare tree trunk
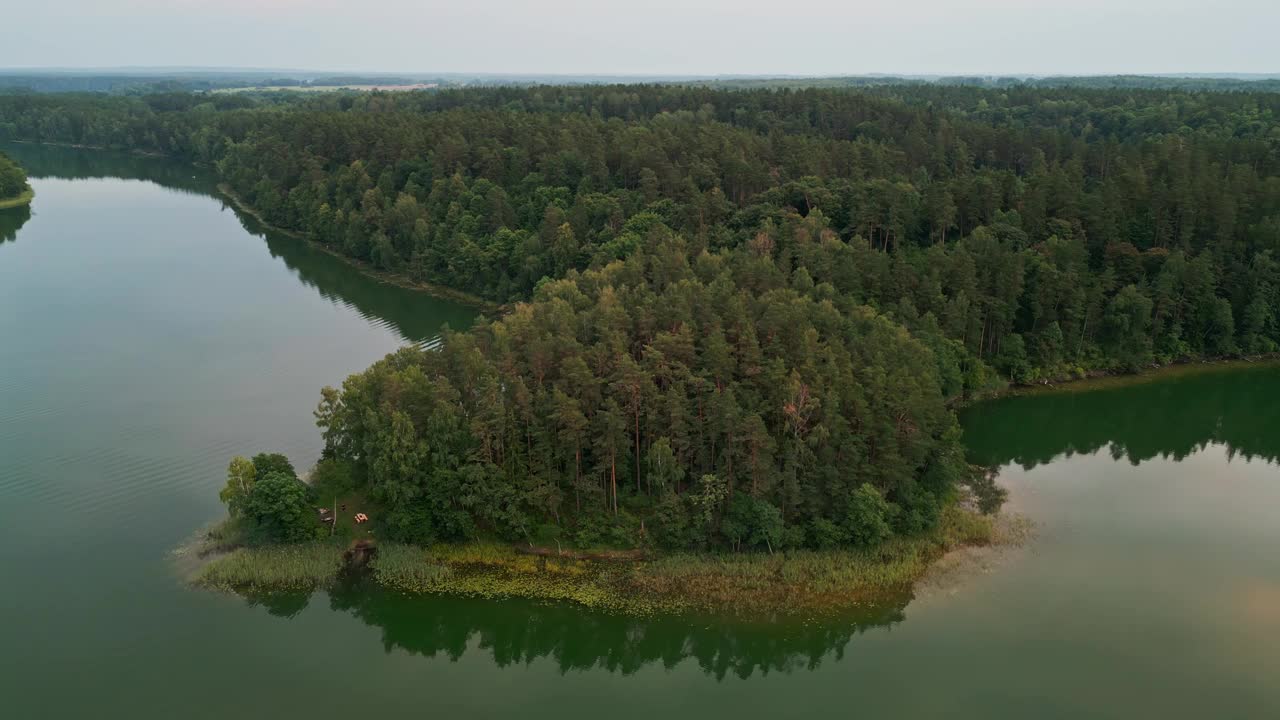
[(637, 446), (1083, 328), (728, 450), (755, 469)]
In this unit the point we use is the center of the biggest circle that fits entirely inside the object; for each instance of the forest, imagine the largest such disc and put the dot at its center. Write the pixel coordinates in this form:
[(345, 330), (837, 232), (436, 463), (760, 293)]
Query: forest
[(737, 318), (13, 180)]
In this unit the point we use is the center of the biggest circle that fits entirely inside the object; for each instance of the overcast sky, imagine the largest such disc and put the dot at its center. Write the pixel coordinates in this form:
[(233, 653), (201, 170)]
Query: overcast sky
[(690, 37)]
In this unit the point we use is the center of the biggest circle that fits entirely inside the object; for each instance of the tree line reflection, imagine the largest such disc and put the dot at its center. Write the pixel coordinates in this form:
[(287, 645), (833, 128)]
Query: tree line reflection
[(1165, 417), (11, 221), (520, 632), (416, 316)]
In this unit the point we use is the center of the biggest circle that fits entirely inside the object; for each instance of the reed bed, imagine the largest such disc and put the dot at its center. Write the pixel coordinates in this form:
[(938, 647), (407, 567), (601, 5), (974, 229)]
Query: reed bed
[(803, 582), (806, 582), (408, 568), (748, 584), (277, 567)]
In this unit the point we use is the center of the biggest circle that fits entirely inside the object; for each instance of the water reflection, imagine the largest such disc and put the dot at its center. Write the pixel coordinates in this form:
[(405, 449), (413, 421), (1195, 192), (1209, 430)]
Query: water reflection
[(11, 221), (414, 315), (70, 163), (520, 632), (1172, 418)]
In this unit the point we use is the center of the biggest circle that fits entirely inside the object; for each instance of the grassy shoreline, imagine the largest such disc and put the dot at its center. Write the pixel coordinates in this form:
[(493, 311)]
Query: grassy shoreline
[(18, 200), (750, 585)]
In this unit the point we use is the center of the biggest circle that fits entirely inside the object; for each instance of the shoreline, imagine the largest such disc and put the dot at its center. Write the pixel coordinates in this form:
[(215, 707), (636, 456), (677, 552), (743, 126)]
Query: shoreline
[(1108, 379), (802, 583), (383, 276), (103, 148), (18, 201), (1092, 380), (390, 278)]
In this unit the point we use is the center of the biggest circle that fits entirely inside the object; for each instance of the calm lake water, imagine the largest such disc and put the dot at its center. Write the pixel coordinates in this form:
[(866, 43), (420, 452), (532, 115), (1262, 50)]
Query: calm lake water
[(148, 333)]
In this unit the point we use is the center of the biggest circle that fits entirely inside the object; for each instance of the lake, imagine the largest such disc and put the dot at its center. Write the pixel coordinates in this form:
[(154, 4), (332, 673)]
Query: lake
[(149, 333)]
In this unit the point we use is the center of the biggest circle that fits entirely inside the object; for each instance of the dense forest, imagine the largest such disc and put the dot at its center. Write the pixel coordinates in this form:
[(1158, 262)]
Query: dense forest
[(740, 313), (13, 180)]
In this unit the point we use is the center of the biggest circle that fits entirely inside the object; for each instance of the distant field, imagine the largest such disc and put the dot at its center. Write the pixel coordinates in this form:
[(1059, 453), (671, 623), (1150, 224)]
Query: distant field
[(322, 88)]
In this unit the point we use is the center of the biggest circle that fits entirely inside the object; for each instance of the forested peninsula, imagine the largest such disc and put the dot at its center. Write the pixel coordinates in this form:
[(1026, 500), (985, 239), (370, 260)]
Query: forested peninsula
[(738, 318), (15, 191)]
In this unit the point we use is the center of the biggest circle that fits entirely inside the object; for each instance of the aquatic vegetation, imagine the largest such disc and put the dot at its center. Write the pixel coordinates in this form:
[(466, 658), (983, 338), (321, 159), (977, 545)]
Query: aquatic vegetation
[(802, 582), (807, 581), (274, 567), (406, 567)]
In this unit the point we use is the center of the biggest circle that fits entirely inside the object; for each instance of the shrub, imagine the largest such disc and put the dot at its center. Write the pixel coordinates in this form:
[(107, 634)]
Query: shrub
[(409, 524), (277, 509), (824, 534), (672, 525), (865, 522), (752, 522)]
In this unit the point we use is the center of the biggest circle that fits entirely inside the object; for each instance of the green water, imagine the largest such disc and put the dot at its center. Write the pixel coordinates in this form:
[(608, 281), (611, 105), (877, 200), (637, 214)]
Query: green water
[(148, 333)]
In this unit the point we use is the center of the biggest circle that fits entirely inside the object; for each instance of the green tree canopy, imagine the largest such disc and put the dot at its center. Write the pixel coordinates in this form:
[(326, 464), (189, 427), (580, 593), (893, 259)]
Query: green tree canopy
[(277, 509), (13, 181)]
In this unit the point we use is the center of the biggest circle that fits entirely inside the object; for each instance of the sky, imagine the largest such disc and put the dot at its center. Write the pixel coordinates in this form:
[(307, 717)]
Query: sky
[(650, 37)]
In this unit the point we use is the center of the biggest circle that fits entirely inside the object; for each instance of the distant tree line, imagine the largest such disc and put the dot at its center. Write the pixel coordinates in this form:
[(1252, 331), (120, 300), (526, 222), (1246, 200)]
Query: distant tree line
[(742, 312)]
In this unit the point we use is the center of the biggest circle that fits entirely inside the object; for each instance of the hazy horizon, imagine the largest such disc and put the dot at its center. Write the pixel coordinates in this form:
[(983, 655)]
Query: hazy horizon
[(659, 38), (157, 70)]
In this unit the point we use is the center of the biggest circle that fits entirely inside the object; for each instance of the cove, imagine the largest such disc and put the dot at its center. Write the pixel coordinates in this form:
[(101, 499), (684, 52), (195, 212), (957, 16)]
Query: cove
[(148, 333)]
